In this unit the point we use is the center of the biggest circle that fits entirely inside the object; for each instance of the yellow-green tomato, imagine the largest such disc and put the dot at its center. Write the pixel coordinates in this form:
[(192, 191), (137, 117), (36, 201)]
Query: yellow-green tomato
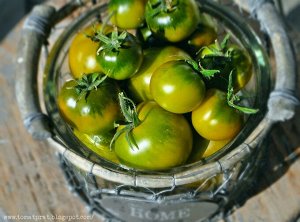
[(99, 144), (203, 36), (83, 52), (238, 63), (203, 148), (172, 20), (177, 87), (139, 84), (164, 140), (93, 112), (214, 119), (127, 14), (242, 67)]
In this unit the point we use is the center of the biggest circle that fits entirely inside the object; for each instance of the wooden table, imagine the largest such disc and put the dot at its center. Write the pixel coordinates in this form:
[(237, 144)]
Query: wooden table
[(32, 184)]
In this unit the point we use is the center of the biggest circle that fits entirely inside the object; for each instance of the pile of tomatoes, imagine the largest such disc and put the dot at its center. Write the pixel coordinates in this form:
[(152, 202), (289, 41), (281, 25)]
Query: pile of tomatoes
[(154, 86)]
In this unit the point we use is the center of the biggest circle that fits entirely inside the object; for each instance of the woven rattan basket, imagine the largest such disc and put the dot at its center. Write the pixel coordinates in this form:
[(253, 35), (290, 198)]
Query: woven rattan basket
[(196, 192)]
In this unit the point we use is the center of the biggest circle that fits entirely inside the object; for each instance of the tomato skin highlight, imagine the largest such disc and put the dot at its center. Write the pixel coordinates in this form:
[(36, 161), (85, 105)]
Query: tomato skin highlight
[(173, 24), (214, 119), (177, 87), (95, 114), (164, 140), (122, 63), (82, 56), (139, 84), (127, 14)]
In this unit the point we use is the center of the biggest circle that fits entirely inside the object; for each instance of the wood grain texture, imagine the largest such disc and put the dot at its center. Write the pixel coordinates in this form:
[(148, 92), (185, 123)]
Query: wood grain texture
[(33, 184), (31, 181)]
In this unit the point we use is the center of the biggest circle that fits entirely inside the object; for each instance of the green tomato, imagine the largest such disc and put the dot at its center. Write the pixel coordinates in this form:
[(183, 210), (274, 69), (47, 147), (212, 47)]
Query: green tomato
[(203, 148), (127, 14), (214, 119), (242, 67), (238, 63), (204, 35), (164, 140), (93, 112), (139, 84), (177, 87), (123, 62), (148, 39), (99, 144), (82, 56), (173, 20)]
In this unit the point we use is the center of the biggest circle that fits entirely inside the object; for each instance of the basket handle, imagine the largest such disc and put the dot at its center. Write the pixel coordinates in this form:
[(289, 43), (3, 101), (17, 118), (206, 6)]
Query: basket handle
[(34, 34), (282, 100)]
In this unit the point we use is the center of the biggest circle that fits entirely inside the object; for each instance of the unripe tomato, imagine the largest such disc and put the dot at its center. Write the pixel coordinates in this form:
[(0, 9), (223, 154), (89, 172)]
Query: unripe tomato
[(173, 20), (83, 52), (204, 35), (203, 148), (242, 67), (164, 140), (99, 144), (93, 112), (237, 62), (139, 84), (177, 87), (214, 119), (127, 14), (121, 60)]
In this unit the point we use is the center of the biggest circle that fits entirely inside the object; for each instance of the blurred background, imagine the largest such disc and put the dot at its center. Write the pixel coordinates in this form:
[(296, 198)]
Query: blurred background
[(11, 11)]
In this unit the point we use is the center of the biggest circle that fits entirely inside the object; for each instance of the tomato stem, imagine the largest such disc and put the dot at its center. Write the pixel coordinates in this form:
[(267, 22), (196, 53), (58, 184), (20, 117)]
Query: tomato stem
[(89, 82), (169, 5), (232, 98), (159, 6), (129, 111), (115, 42), (207, 73)]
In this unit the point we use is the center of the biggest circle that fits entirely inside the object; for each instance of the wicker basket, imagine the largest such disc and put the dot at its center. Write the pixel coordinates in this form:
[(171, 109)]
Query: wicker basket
[(196, 192)]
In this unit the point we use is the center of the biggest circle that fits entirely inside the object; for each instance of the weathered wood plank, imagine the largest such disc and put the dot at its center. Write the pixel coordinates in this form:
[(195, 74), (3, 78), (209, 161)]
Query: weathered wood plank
[(32, 183)]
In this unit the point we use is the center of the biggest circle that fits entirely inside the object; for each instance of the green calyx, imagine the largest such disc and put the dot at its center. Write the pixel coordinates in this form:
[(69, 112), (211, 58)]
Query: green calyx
[(112, 43), (159, 6), (232, 98), (218, 51), (87, 83), (129, 111), (207, 73)]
